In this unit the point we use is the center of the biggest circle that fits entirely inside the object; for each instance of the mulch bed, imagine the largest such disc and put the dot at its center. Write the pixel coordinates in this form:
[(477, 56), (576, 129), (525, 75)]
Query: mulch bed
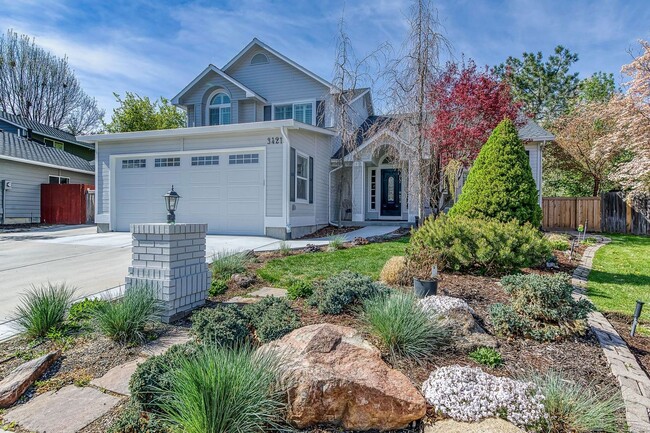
[(329, 231)]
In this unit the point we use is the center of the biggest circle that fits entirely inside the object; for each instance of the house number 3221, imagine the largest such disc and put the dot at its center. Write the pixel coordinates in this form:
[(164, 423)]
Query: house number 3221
[(273, 140)]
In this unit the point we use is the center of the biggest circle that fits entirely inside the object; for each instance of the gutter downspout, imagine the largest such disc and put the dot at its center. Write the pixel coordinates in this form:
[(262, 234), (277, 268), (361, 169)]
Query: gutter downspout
[(3, 184), (285, 181), (329, 198)]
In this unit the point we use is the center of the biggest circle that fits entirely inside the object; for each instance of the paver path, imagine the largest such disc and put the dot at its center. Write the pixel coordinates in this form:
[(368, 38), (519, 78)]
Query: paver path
[(635, 384), (72, 408)]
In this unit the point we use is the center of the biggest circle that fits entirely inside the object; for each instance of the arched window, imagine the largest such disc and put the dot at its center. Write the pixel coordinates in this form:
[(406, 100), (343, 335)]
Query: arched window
[(259, 59), (219, 109)]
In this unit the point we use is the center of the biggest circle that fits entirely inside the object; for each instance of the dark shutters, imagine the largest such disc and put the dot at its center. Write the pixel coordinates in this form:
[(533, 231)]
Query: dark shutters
[(311, 179), (267, 112), (292, 177), (320, 113)]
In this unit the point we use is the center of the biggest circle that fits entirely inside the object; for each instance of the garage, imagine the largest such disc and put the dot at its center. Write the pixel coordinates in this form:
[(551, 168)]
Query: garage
[(223, 189)]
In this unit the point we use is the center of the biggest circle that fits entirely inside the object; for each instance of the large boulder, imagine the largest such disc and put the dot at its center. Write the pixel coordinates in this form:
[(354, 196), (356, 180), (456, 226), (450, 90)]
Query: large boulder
[(21, 378), (458, 316), (336, 377)]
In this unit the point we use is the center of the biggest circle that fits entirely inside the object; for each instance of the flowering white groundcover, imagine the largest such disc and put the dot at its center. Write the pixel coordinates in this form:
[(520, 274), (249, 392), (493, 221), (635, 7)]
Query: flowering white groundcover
[(439, 305), (469, 394)]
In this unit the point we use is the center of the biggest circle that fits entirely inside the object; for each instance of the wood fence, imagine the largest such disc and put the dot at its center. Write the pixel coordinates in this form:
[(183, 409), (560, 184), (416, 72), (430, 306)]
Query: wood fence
[(612, 212), (567, 213)]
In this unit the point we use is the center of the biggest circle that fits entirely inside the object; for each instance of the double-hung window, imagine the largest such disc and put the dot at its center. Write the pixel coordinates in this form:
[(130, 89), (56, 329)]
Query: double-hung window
[(219, 109), (302, 177), (302, 112)]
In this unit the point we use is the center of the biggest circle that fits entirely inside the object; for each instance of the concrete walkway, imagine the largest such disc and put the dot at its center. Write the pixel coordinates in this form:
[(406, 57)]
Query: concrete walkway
[(635, 384)]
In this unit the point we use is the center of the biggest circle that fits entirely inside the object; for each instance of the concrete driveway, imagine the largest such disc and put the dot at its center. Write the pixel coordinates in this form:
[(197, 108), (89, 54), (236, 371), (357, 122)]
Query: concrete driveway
[(82, 258)]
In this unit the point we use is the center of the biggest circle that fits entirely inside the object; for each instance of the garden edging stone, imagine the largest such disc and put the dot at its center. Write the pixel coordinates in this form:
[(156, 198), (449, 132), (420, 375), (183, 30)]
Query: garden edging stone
[(635, 384), (16, 383)]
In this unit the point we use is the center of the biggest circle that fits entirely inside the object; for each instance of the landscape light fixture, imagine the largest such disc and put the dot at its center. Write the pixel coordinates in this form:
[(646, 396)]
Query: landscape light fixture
[(171, 203)]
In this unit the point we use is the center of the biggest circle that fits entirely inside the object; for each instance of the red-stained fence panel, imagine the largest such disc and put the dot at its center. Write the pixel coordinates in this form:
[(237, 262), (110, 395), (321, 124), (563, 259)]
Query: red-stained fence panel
[(64, 204)]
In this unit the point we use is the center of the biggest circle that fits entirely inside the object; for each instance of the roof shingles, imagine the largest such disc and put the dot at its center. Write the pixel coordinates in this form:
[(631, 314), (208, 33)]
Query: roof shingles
[(42, 129), (14, 146)]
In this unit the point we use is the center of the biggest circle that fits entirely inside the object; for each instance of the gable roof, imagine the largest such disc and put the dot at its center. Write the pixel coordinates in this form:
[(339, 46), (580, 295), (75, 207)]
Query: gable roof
[(531, 131), (212, 68), (17, 148), (40, 128), (258, 43)]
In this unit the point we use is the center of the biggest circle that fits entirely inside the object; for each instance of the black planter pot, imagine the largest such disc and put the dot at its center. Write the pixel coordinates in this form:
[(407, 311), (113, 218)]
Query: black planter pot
[(424, 288)]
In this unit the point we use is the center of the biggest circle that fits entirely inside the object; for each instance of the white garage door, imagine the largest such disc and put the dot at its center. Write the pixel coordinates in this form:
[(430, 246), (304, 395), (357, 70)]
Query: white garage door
[(224, 190)]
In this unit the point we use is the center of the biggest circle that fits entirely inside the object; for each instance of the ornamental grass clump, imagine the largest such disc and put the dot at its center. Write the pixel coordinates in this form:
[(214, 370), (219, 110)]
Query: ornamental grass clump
[(403, 327), (572, 407), (125, 319), (468, 394), (43, 309), (542, 308), (226, 390)]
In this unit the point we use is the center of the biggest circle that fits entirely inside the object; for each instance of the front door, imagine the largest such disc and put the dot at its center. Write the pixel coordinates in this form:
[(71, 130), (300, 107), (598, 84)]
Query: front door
[(390, 193)]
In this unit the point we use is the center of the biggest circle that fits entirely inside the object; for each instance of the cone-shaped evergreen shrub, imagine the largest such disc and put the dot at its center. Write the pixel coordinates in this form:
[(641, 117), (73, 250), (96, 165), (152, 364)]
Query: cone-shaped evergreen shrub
[(500, 184)]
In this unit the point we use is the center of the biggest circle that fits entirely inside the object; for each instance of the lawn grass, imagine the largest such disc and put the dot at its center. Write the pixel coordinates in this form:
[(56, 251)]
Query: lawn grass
[(621, 275), (366, 259)]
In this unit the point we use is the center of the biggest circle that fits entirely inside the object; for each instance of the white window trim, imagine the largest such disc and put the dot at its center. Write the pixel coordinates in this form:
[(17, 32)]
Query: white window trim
[(208, 107), (306, 199), (59, 177), (293, 109)]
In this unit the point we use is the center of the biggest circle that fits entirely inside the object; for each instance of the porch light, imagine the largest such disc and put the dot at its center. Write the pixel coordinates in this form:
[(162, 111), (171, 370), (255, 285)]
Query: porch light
[(171, 202)]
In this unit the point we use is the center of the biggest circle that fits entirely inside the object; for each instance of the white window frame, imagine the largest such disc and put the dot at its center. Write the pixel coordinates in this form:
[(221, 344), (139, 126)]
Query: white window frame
[(67, 182), (305, 178), (218, 106), (293, 109)]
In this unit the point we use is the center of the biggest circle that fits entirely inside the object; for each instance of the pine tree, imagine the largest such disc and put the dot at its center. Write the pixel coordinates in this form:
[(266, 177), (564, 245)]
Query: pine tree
[(500, 184)]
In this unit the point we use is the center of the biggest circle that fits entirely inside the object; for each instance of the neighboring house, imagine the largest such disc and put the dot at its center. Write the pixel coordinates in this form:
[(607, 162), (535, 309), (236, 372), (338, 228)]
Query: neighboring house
[(259, 156), (46, 135), (24, 166)]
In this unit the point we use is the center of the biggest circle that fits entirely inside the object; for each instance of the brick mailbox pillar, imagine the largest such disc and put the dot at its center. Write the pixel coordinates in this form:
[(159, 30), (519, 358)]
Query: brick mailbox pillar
[(171, 259)]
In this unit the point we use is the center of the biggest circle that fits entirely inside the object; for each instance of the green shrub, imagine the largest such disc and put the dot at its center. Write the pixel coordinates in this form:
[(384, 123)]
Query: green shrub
[(272, 318), (589, 241), (542, 308), (572, 407), (43, 309), (223, 390), (500, 184), (153, 378), (341, 291), (125, 320), (226, 263), (218, 286), (487, 356), (403, 327), (473, 245), (300, 289), (224, 325), (83, 311), (134, 420), (558, 242)]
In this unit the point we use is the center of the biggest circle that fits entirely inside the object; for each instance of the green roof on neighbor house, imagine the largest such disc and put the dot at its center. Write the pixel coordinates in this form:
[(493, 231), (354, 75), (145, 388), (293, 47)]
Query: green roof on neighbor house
[(17, 148), (44, 130)]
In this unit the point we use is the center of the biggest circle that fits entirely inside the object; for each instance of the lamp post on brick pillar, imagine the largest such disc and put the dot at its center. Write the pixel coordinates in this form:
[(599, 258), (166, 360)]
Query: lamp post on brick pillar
[(171, 203)]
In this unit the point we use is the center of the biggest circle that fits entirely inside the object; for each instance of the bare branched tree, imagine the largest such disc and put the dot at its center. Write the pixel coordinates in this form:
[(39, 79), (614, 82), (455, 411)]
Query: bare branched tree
[(85, 119), (409, 79), (351, 76), (39, 86)]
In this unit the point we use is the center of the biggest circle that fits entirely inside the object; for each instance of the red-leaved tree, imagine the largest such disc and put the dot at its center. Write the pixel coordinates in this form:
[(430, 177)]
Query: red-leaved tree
[(466, 103)]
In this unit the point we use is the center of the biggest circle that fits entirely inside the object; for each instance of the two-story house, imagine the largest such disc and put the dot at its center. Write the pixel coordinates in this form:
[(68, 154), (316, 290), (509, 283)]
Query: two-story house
[(32, 154), (259, 156)]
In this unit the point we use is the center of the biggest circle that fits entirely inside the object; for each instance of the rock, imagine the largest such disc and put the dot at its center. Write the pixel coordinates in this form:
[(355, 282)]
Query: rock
[(360, 241), (312, 248), (21, 378), (457, 315), (337, 377), (269, 291), (243, 280), (67, 410), (490, 425), (171, 338), (117, 378)]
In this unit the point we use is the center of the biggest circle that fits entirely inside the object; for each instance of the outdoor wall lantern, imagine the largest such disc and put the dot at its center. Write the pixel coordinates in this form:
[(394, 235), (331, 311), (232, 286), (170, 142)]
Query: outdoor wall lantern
[(171, 202)]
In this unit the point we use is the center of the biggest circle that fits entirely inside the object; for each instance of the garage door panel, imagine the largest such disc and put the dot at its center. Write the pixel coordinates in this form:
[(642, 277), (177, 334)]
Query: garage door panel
[(229, 198)]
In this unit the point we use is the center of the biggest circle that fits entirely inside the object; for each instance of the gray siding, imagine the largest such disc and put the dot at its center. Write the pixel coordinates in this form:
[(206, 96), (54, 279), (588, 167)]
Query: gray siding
[(199, 94), (359, 111), (24, 198), (317, 146), (247, 112)]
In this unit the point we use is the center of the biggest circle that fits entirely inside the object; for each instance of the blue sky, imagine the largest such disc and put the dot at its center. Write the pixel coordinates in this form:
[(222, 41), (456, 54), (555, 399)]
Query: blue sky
[(155, 48)]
